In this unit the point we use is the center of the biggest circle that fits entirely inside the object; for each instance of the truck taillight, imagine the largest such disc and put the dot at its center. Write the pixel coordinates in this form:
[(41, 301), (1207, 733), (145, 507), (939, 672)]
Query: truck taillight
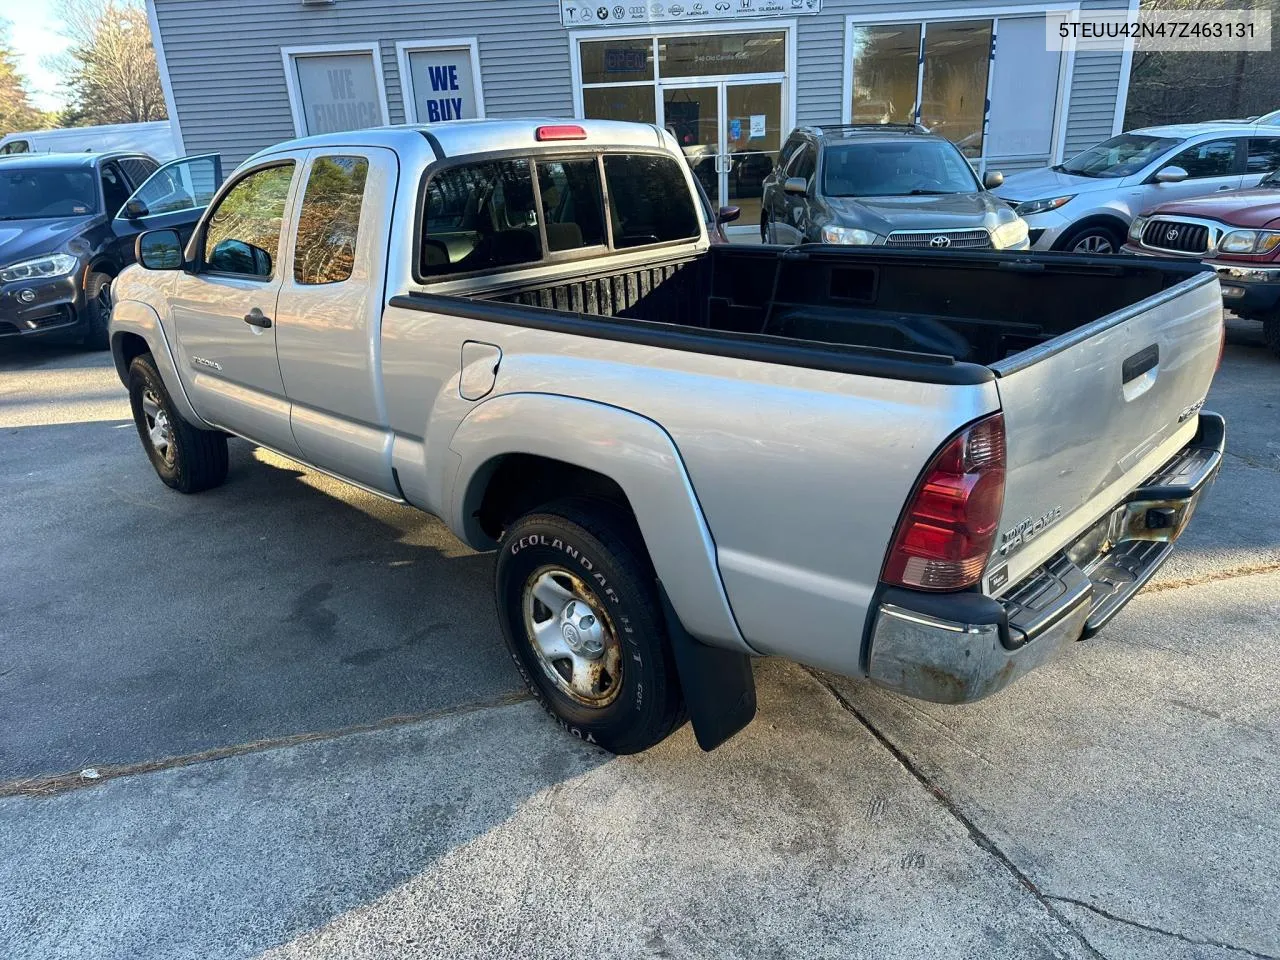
[(945, 536), (561, 131)]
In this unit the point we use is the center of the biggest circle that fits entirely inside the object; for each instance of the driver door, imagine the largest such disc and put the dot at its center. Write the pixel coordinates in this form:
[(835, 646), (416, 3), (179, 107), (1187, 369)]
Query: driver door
[(224, 306), (174, 197)]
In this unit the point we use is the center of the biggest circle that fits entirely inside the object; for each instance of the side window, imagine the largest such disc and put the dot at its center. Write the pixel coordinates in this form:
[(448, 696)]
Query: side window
[(1215, 158), (649, 200), (180, 185), (329, 223), (788, 150), (137, 169), (572, 205), (480, 216), (243, 234), (115, 189), (1264, 155), (803, 164), (16, 146)]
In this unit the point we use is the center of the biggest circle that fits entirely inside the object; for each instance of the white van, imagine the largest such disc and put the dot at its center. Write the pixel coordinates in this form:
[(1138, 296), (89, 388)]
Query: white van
[(154, 139)]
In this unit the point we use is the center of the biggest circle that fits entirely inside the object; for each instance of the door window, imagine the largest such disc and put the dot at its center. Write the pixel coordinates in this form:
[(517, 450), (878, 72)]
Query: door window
[(16, 146), (480, 216), (1264, 155), (649, 200), (243, 233), (115, 189), (572, 205), (803, 164), (187, 184), (137, 169), (329, 223), (1215, 158)]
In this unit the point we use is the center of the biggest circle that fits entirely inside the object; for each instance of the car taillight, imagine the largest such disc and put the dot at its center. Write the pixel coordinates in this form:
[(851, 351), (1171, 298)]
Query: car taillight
[(563, 131), (945, 536)]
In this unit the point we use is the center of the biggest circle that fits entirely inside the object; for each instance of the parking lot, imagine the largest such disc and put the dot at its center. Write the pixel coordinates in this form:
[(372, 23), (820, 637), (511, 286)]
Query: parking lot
[(303, 737)]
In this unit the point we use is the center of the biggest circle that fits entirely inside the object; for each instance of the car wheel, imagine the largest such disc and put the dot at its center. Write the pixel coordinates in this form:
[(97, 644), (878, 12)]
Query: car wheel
[(97, 305), (578, 605), (184, 457), (1095, 240), (1271, 333)]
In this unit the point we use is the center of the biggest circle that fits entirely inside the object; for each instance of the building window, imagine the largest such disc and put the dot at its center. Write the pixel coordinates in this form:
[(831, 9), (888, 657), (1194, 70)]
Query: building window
[(440, 80), (332, 89)]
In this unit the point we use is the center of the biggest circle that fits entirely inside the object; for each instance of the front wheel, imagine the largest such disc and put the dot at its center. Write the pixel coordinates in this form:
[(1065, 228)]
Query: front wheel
[(186, 458), (97, 305), (1096, 240), (579, 610), (1271, 333)]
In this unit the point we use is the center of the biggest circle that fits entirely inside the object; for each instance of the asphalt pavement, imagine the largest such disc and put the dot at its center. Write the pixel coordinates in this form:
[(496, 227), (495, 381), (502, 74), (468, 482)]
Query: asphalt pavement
[(301, 737)]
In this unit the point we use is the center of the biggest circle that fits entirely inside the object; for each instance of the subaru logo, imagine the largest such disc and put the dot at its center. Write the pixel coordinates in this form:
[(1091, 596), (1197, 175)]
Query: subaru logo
[(940, 242), (1171, 234)]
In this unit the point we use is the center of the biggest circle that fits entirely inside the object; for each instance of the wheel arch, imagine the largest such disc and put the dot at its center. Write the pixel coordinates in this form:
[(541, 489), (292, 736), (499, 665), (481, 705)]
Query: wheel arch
[(1111, 220), (135, 329), (514, 450)]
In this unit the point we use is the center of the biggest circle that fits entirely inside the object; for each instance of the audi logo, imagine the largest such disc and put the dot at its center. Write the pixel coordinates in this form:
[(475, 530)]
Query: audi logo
[(940, 242)]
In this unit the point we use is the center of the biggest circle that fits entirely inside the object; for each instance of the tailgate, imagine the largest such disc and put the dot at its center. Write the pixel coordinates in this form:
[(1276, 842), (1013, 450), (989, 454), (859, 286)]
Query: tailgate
[(1093, 413)]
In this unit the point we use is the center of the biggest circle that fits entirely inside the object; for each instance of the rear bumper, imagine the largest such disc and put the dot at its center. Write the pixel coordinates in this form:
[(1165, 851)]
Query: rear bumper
[(961, 647)]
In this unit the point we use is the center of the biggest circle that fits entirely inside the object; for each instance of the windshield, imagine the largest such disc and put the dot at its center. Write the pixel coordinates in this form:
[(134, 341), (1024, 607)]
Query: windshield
[(1118, 157), (897, 169), (32, 194)]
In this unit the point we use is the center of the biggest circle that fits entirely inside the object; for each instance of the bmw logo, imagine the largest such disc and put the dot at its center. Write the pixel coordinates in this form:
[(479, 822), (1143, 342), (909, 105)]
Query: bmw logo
[(27, 296)]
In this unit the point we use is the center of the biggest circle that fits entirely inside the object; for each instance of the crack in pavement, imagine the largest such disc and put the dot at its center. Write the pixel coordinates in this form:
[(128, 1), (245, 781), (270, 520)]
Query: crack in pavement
[(980, 839), (1248, 570), (51, 785), (1139, 925), (1255, 461)]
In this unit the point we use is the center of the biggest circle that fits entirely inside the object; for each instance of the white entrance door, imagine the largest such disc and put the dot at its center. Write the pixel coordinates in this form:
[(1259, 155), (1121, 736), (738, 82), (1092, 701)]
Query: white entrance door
[(730, 132)]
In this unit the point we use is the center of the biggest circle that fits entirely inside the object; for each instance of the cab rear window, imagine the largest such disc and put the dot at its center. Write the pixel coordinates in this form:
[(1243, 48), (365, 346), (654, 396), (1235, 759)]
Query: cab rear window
[(498, 214)]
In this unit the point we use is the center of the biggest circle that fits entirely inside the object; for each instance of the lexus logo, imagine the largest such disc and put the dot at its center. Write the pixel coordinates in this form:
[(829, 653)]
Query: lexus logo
[(1171, 234), (940, 242)]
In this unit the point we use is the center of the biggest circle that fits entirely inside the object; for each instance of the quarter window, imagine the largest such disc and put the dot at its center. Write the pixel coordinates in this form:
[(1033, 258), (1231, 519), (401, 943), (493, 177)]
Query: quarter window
[(571, 204), (1264, 155), (243, 236), (329, 223), (480, 216), (137, 169), (1216, 158), (648, 200)]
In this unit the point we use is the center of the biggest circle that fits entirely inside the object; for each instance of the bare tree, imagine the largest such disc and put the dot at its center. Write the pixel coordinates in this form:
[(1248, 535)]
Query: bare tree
[(110, 69)]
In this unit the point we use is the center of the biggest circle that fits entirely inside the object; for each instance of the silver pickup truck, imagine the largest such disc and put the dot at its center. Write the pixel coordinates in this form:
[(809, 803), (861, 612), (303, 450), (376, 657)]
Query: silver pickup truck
[(933, 469)]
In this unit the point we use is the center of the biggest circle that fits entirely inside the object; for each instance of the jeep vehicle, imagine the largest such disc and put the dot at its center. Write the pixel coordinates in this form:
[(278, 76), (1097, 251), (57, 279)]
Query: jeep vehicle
[(896, 185), (937, 470)]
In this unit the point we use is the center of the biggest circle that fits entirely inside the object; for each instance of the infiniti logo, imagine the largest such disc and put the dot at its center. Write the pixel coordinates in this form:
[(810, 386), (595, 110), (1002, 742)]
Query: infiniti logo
[(940, 241)]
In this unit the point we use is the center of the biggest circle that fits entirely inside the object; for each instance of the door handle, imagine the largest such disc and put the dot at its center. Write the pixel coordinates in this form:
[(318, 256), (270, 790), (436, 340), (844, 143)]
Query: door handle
[(256, 318)]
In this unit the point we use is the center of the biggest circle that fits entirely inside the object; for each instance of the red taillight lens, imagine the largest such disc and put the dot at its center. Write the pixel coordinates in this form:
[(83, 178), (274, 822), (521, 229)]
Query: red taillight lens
[(560, 132), (944, 538)]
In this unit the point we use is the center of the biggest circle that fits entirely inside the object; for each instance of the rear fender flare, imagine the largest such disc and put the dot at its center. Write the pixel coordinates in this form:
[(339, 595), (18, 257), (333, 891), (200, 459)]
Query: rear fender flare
[(132, 318), (633, 451)]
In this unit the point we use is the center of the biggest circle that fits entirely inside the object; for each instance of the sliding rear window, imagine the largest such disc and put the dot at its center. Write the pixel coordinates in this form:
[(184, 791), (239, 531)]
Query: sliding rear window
[(504, 213)]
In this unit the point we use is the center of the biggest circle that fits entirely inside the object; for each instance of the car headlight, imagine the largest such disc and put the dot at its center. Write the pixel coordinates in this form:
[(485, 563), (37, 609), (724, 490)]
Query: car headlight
[(1249, 241), (1009, 234), (1040, 206), (1135, 229), (54, 265), (849, 236)]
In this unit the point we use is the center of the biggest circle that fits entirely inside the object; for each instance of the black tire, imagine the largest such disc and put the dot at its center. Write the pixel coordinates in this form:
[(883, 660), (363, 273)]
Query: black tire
[(1271, 333), (97, 308), (1095, 239), (597, 544), (193, 459)]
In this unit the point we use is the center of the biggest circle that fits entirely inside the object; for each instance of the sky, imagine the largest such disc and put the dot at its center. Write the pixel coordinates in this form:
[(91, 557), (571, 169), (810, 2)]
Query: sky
[(33, 32)]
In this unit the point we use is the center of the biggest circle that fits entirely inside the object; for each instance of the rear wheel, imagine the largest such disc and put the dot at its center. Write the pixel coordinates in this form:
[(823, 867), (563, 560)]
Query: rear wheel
[(578, 605), (1271, 332), (97, 305), (184, 457), (1095, 239)]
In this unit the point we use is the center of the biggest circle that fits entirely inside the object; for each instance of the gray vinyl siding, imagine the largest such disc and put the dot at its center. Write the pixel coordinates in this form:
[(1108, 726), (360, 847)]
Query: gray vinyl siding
[(228, 78)]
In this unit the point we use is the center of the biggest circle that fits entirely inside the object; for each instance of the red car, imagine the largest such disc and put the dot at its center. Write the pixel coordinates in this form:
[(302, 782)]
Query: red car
[(1237, 233)]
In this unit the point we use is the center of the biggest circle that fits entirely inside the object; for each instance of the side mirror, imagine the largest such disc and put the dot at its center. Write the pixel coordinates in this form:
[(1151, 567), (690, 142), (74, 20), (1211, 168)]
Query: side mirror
[(728, 214), (135, 209), (159, 250), (1171, 175), (796, 185), (993, 179)]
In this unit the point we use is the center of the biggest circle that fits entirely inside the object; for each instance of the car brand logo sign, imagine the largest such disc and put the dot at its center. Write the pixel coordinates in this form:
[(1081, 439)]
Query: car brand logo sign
[(1172, 234), (26, 296), (940, 242)]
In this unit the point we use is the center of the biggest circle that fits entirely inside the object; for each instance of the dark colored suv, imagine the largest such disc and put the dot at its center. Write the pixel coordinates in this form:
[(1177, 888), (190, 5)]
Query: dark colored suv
[(67, 227), (895, 185)]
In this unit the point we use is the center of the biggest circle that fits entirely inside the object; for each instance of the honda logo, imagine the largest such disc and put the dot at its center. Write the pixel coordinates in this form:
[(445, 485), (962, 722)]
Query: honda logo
[(940, 242)]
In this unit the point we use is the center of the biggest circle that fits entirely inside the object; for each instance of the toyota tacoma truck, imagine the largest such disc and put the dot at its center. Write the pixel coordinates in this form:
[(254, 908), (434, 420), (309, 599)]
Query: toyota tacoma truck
[(935, 469)]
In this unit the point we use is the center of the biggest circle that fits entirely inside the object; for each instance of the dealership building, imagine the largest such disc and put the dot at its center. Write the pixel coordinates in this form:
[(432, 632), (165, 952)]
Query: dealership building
[(728, 77)]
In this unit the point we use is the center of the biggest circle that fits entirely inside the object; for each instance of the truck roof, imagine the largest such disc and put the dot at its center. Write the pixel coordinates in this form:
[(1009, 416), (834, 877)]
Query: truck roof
[(465, 137)]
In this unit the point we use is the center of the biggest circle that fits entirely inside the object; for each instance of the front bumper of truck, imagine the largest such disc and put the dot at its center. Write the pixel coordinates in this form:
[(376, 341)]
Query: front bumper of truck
[(961, 647)]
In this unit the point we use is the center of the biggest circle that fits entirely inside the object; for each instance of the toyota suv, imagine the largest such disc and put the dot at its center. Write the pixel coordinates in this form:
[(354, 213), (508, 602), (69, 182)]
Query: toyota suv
[(892, 185)]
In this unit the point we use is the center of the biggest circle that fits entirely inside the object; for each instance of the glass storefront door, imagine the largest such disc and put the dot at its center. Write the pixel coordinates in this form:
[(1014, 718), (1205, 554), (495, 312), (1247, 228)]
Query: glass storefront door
[(730, 131)]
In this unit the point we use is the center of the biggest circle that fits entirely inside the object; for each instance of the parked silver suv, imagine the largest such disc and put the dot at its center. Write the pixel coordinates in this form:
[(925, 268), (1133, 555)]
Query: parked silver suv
[(896, 185)]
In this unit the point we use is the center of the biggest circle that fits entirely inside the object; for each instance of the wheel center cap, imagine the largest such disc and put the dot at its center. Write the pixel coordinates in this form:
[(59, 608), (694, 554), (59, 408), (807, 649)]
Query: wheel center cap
[(582, 630)]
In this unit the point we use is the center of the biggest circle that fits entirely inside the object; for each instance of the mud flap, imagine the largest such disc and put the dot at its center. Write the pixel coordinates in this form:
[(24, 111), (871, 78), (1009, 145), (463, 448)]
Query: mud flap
[(719, 688)]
